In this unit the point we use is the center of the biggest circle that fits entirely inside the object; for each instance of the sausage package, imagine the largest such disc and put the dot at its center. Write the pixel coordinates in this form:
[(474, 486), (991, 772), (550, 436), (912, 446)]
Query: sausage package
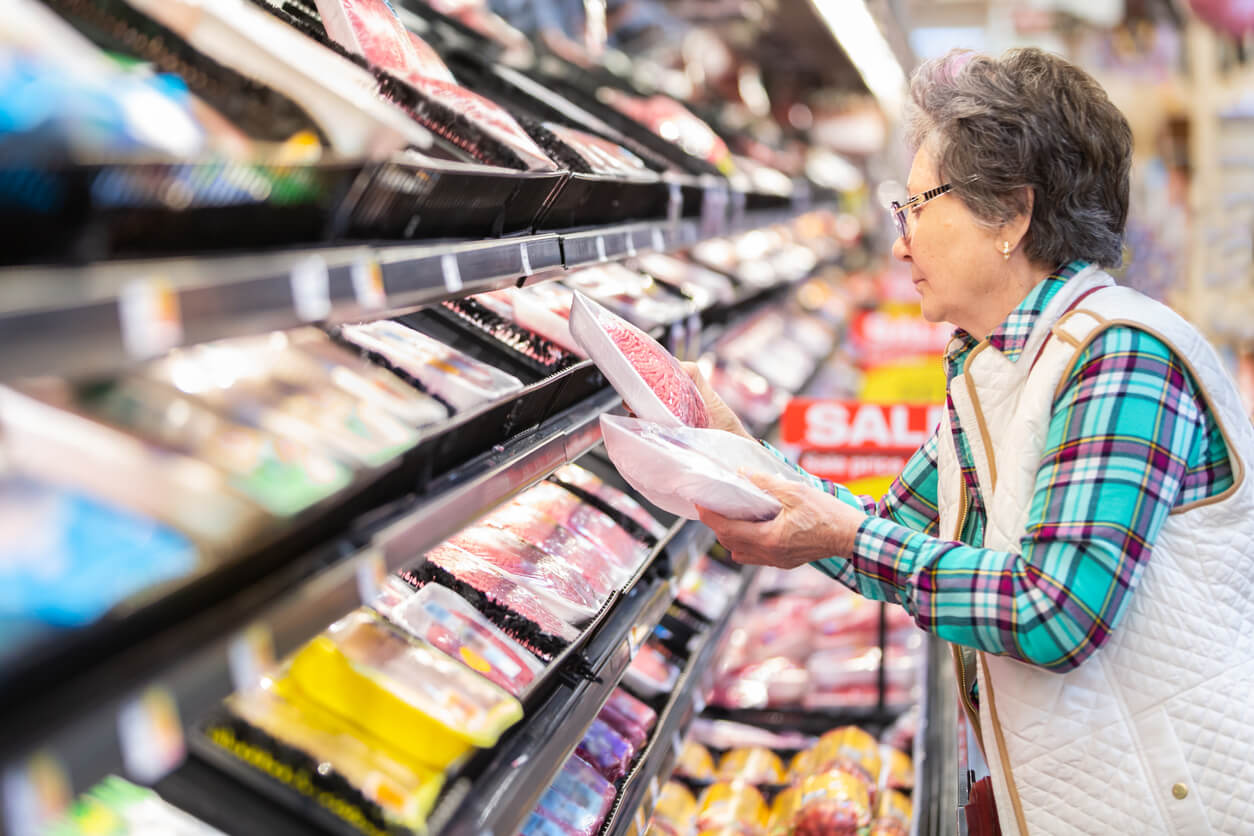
[(606, 749), (447, 621), (678, 468), (649, 379)]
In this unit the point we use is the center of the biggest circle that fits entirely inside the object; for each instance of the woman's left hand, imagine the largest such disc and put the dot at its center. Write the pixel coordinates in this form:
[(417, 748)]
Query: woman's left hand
[(812, 525)]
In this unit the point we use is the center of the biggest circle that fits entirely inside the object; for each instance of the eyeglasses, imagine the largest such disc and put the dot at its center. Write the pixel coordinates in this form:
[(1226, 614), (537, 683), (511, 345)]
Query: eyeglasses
[(899, 209)]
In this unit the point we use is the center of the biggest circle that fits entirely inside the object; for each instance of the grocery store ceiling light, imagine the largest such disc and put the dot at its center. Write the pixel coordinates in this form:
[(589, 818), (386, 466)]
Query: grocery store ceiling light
[(861, 39)]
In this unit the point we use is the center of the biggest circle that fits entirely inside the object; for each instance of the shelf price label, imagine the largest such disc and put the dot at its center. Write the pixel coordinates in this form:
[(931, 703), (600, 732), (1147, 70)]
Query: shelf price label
[(601, 256), (526, 260), (636, 638), (674, 203), (631, 243), (151, 735), (148, 312), (36, 794), (250, 657), (452, 273), (368, 284), (311, 289), (372, 573)]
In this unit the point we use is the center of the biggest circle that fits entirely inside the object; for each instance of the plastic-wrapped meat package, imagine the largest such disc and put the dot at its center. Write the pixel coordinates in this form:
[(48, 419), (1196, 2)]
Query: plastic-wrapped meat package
[(708, 586), (625, 705), (705, 287), (695, 761), (649, 379), (533, 526), (842, 677), (897, 771), (772, 683), (651, 673), (732, 808), (497, 321), (851, 749), (625, 551), (445, 372), (447, 621), (673, 122), (630, 294), (532, 567), (588, 481), (753, 764), (504, 590), (893, 813), (777, 627), (545, 309), (783, 810), (679, 468), (725, 734), (675, 811), (750, 395), (606, 749), (575, 804), (601, 155), (832, 804)]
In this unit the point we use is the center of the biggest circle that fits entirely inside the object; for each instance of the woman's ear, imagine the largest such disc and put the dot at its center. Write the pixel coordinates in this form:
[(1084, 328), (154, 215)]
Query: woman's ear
[(1016, 229)]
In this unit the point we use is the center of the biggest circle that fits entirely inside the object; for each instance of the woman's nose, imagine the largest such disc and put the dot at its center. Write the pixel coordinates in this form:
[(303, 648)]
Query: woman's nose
[(901, 249)]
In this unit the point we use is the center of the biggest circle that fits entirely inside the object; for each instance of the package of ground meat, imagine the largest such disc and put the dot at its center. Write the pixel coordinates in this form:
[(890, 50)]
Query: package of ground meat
[(534, 526), (620, 547), (650, 380), (679, 468), (606, 749), (586, 480)]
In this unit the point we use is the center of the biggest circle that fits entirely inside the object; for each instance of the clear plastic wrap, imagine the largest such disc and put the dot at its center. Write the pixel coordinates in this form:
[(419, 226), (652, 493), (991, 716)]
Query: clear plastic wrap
[(445, 372), (650, 380), (631, 731), (364, 671), (534, 526), (678, 468), (651, 673), (532, 567), (545, 309), (606, 749), (621, 548), (753, 764), (504, 590), (587, 480), (673, 122), (851, 749), (448, 622), (601, 155), (705, 287)]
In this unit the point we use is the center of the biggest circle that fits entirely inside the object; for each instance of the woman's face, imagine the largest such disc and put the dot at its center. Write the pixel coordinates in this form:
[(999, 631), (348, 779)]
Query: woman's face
[(956, 264)]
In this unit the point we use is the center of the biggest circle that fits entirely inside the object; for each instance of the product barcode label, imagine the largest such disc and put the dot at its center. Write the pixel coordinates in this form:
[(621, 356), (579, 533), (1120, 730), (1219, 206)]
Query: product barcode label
[(148, 311), (526, 260), (371, 572), (368, 284), (250, 656), (151, 735), (659, 240), (601, 248), (452, 273), (311, 289)]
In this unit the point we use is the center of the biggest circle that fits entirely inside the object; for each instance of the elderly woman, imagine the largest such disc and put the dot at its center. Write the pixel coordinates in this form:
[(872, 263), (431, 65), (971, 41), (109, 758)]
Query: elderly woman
[(1080, 523)]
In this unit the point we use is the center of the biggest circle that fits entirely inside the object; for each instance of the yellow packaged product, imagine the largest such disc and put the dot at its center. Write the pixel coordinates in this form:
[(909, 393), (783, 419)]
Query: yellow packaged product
[(429, 708), (892, 815), (783, 811), (732, 808), (695, 761), (676, 809), (849, 746), (753, 764), (897, 772), (832, 804), (801, 766), (326, 759)]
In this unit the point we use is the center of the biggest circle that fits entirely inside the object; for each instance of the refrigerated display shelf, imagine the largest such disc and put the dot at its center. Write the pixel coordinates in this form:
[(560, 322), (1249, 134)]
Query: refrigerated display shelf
[(936, 768), (75, 321)]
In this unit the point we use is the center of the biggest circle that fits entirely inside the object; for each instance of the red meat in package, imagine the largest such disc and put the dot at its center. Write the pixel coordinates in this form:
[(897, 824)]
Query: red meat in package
[(623, 708), (651, 673), (537, 528), (606, 749), (588, 481), (576, 803), (620, 547), (502, 589)]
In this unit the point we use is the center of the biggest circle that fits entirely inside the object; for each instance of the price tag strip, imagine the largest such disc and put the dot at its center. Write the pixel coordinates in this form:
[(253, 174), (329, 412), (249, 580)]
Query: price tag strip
[(526, 260), (452, 273), (148, 312), (151, 735), (631, 244), (601, 248), (311, 289), (659, 240), (368, 285)]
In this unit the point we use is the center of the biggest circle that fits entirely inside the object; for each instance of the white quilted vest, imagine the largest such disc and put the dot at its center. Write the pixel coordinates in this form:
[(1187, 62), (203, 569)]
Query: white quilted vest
[(1154, 733)]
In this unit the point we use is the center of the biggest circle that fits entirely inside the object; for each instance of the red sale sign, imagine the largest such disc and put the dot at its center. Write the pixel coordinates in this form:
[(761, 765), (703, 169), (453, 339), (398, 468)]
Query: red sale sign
[(881, 337), (847, 441)]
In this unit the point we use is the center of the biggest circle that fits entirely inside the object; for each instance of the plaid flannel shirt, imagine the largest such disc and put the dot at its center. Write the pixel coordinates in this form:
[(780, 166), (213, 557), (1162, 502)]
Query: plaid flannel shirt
[(1130, 439)]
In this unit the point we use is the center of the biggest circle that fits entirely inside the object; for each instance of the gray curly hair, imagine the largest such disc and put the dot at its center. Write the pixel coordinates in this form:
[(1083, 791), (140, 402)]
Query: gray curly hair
[(1028, 119)]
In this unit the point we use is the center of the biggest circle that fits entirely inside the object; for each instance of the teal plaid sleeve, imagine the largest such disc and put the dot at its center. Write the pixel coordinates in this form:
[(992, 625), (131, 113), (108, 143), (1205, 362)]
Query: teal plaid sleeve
[(1129, 439)]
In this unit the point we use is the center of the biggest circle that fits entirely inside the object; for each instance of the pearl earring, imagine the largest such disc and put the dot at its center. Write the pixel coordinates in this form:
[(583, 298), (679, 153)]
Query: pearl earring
[(1005, 250)]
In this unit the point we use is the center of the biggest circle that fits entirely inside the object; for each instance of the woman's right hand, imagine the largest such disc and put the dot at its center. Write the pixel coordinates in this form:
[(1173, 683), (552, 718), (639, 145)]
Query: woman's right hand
[(721, 415)]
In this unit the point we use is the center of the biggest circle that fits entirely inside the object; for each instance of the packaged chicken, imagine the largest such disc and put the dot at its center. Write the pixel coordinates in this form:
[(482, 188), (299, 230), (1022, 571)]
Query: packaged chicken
[(834, 803), (649, 379), (851, 748), (754, 765), (447, 621), (679, 468), (783, 811), (695, 761), (625, 551), (445, 372), (897, 772), (651, 673), (732, 808), (606, 749), (363, 670), (801, 766), (322, 755), (586, 480), (676, 810), (537, 528), (893, 813), (578, 597), (503, 590)]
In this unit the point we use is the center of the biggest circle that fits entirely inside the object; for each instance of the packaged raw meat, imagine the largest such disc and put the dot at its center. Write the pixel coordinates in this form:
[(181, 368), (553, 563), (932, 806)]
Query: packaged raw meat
[(625, 551), (801, 766), (897, 772), (832, 804), (445, 372), (504, 590), (649, 379), (901, 734), (325, 757), (545, 309), (750, 395), (678, 468), (588, 481), (601, 155), (651, 673), (708, 586), (116, 807), (66, 558), (633, 709), (628, 729), (893, 813), (606, 750), (447, 621), (727, 734), (733, 808), (630, 294), (783, 811), (576, 803), (562, 583), (705, 287), (673, 122), (754, 764), (676, 810), (366, 672), (849, 748), (498, 322), (371, 29), (857, 673), (695, 761), (572, 550)]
